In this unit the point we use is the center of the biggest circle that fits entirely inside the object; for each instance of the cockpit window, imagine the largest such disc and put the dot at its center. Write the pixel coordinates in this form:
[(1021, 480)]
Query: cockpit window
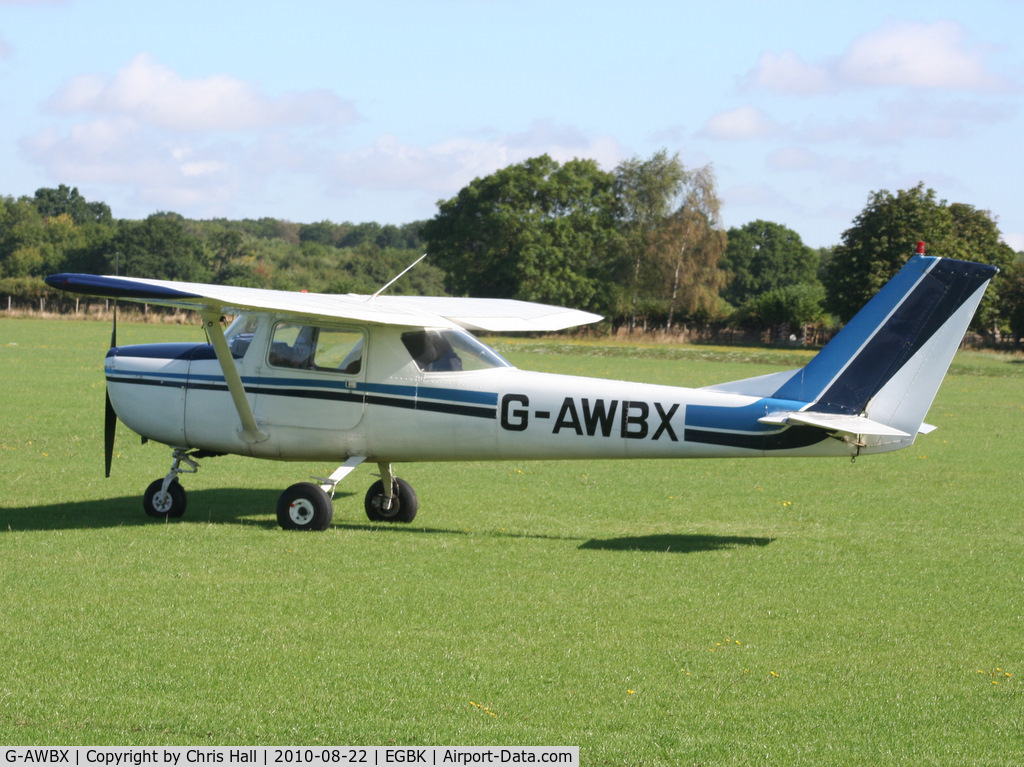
[(239, 334), (450, 350), (305, 347)]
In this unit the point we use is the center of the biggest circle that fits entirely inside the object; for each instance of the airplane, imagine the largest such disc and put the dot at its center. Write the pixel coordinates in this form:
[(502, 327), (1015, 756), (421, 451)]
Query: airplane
[(348, 379)]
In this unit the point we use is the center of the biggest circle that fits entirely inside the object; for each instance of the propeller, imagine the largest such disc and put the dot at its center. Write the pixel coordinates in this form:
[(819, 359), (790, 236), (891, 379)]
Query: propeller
[(109, 416), (109, 427)]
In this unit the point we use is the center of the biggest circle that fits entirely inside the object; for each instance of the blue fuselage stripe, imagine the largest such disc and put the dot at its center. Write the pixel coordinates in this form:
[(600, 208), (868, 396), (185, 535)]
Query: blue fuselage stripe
[(479, 404)]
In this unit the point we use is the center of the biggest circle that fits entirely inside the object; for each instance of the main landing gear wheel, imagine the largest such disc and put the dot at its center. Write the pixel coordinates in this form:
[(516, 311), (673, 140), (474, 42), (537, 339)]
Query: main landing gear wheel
[(162, 503), (404, 502), (304, 506)]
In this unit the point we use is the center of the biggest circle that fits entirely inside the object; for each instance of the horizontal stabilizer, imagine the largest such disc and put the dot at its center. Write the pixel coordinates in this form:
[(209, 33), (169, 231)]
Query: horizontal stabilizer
[(834, 422)]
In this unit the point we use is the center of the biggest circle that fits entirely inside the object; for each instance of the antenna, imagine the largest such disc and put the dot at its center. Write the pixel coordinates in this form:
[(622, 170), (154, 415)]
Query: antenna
[(393, 281)]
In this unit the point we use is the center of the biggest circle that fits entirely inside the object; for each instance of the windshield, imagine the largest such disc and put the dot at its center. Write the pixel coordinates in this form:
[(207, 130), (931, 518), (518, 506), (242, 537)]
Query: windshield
[(450, 350), (239, 334)]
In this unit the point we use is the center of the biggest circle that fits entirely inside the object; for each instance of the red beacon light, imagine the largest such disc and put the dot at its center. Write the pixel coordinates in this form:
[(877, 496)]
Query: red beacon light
[(920, 248)]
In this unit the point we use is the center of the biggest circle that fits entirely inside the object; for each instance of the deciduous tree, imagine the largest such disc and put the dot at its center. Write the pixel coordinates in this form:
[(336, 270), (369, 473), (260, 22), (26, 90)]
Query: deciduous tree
[(1011, 300), (762, 256), (687, 246), (883, 238), (65, 200), (535, 230), (158, 247), (646, 192)]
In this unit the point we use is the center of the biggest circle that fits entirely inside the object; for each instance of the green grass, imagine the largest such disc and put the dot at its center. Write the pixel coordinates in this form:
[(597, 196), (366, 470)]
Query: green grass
[(783, 611)]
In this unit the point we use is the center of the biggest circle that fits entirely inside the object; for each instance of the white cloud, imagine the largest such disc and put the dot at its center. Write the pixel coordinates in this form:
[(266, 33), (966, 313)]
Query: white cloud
[(201, 175), (156, 95), (746, 122), (184, 142), (788, 73), (158, 168), (917, 55), (908, 54), (443, 168)]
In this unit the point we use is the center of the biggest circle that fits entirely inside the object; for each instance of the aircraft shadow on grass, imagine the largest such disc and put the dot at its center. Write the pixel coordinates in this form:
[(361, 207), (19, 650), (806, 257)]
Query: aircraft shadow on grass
[(234, 506), (675, 543), (224, 506)]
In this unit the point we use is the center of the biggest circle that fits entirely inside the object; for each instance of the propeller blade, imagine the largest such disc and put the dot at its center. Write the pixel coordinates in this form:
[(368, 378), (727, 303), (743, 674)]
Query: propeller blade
[(109, 416), (109, 427)]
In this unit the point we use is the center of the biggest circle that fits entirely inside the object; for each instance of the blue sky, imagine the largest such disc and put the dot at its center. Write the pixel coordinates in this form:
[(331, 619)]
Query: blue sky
[(359, 111)]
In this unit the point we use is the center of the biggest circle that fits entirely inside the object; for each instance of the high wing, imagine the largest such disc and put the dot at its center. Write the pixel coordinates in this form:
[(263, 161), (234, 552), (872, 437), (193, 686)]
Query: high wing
[(482, 314), (492, 315)]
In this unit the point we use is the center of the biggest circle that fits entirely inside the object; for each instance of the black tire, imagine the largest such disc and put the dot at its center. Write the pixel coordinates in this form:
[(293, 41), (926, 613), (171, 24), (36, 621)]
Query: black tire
[(304, 506), (404, 503), (164, 505)]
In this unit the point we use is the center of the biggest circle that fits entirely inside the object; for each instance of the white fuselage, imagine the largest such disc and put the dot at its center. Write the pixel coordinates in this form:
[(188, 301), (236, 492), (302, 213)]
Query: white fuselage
[(391, 409)]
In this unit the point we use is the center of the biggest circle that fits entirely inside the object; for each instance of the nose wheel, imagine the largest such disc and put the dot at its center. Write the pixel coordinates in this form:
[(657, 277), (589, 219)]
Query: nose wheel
[(165, 498), (163, 502)]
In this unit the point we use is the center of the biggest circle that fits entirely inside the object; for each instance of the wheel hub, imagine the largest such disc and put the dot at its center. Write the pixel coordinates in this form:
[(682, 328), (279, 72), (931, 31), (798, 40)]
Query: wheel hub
[(301, 511), (162, 501), (380, 503)]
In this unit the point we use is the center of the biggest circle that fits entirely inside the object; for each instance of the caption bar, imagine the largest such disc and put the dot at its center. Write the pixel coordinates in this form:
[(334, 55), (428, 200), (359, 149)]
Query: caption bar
[(281, 756)]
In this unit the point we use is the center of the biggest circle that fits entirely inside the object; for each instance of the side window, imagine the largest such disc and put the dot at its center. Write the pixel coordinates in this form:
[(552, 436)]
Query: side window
[(305, 347), (450, 350), (339, 349)]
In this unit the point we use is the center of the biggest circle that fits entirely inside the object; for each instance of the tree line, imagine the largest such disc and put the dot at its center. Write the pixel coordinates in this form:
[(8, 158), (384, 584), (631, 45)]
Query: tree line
[(642, 244), (57, 230)]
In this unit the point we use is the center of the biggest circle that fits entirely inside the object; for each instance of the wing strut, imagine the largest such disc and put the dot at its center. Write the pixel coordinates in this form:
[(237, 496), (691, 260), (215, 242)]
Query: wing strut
[(251, 431)]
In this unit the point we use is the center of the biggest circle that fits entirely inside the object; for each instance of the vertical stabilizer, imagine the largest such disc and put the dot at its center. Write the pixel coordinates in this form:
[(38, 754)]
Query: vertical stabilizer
[(888, 361)]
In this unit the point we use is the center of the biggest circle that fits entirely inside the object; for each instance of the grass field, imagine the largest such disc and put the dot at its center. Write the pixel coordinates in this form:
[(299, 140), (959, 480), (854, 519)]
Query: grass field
[(786, 611)]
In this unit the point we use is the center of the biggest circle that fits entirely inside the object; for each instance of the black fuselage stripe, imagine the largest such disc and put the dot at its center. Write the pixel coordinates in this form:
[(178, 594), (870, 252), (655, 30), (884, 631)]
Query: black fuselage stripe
[(327, 395), (334, 396), (789, 439), (151, 382), (433, 407)]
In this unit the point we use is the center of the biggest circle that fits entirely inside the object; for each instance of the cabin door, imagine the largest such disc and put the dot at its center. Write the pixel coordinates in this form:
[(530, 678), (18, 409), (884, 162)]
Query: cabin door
[(312, 377)]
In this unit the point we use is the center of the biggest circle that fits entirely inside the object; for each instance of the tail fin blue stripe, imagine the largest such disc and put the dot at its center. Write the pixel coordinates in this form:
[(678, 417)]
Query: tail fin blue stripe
[(886, 333)]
